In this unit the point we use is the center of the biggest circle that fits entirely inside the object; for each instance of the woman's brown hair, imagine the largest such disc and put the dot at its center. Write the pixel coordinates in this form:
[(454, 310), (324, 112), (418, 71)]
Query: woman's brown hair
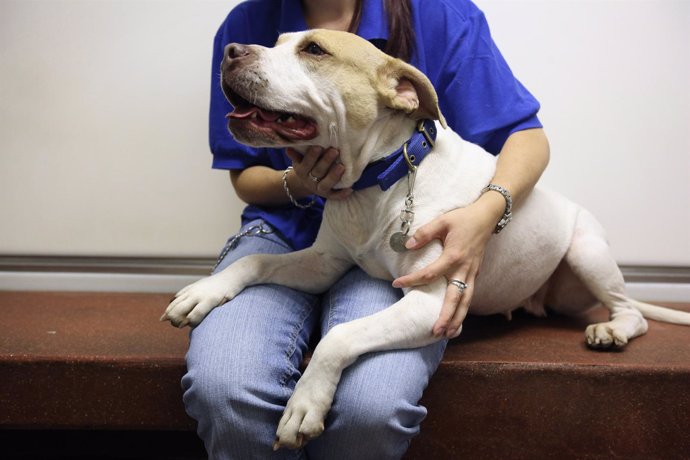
[(400, 42)]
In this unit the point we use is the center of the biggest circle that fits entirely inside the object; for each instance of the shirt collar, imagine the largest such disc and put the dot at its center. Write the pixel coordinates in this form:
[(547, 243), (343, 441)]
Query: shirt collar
[(373, 24)]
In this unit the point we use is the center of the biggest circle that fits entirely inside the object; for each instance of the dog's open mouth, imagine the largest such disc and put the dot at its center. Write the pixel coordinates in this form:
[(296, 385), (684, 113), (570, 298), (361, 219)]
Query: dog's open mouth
[(288, 126)]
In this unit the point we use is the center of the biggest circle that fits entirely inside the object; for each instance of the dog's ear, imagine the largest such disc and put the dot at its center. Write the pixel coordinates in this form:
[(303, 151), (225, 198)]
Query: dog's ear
[(405, 88)]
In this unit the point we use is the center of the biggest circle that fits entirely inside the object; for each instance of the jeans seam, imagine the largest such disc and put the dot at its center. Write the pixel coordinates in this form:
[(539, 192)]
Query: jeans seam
[(331, 313), (290, 368)]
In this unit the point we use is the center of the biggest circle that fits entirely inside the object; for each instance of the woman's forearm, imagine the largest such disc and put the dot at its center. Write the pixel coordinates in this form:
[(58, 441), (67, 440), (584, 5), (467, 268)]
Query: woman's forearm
[(263, 186), (315, 172), (520, 165), (522, 161)]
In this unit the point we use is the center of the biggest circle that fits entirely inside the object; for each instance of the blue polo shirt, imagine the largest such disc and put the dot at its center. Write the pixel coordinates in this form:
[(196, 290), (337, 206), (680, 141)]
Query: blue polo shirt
[(479, 96)]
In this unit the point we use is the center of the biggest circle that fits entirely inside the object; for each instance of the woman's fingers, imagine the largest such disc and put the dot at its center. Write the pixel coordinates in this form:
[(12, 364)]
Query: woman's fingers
[(319, 171), (322, 166), (456, 303), (436, 229), (314, 164), (450, 305), (303, 163), (426, 275), (464, 235), (327, 181), (463, 306)]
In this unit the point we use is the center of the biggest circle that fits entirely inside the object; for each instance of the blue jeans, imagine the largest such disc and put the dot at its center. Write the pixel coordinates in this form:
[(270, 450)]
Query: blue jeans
[(244, 361)]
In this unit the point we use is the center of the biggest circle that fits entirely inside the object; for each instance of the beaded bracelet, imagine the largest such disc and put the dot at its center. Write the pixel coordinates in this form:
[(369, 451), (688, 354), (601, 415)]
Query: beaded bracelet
[(287, 191)]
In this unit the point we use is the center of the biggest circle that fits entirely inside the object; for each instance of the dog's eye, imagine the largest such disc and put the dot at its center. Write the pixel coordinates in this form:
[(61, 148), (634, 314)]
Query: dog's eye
[(314, 49)]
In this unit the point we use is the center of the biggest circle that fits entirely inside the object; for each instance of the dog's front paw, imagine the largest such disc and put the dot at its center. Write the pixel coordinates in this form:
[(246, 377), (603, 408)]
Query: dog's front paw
[(193, 302), (305, 412)]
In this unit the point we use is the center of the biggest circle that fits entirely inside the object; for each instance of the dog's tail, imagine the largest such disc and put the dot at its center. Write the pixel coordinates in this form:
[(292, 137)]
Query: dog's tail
[(664, 314)]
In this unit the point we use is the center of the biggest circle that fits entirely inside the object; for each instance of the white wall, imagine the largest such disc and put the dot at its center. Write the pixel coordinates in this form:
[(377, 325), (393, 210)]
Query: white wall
[(103, 138), (613, 78), (103, 108)]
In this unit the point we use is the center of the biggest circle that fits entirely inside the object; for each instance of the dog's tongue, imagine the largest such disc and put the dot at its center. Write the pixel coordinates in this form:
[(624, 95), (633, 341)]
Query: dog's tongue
[(248, 111), (242, 112), (292, 128)]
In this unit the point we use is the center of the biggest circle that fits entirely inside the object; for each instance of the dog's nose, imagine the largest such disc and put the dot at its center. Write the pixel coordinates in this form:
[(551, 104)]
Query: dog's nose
[(235, 50)]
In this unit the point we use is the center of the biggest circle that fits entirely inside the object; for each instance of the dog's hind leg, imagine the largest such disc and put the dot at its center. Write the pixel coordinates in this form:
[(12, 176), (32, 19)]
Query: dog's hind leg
[(406, 324), (591, 261)]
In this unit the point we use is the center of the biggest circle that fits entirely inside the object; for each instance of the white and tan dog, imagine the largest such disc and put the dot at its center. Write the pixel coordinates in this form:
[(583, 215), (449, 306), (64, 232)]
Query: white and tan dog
[(335, 89)]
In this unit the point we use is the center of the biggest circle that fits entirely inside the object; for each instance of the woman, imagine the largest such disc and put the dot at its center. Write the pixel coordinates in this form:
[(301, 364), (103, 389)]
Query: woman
[(244, 358)]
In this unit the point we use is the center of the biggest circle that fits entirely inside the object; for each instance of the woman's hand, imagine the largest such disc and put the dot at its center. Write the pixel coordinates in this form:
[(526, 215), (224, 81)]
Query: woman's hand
[(263, 186), (464, 233), (316, 172)]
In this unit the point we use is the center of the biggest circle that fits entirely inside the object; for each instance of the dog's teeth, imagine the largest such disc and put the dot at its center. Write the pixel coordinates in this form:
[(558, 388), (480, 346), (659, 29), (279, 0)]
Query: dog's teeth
[(254, 115), (289, 119)]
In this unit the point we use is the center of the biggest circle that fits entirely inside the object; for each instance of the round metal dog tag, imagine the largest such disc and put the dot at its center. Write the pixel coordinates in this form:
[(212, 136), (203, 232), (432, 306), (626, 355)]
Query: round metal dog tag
[(398, 240)]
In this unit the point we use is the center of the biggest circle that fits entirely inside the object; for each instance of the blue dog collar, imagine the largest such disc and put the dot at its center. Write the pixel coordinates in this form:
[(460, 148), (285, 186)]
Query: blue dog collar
[(389, 170)]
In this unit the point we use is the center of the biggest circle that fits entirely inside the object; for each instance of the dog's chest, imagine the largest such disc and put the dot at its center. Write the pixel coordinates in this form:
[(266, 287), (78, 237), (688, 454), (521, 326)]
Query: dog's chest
[(362, 225)]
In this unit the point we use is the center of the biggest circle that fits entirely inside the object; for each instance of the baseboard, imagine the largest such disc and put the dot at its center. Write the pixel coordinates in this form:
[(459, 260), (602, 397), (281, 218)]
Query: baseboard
[(100, 274), (659, 292), (93, 282), (167, 275)]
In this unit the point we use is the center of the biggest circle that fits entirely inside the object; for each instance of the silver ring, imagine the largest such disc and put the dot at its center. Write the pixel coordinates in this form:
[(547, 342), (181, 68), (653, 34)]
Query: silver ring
[(314, 178), (461, 285)]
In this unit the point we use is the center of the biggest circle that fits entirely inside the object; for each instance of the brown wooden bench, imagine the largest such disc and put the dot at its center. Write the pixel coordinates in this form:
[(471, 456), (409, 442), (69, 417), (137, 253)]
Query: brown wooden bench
[(526, 388)]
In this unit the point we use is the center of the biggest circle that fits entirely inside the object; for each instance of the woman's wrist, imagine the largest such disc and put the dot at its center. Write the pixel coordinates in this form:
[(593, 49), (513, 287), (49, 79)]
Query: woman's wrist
[(293, 191), (492, 207), (507, 211), (297, 189)]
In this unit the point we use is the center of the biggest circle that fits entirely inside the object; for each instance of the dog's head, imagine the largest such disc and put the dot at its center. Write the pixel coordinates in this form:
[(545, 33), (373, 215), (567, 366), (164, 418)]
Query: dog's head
[(312, 83)]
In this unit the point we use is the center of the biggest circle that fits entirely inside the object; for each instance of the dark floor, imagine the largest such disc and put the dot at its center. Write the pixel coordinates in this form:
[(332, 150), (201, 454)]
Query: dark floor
[(108, 445)]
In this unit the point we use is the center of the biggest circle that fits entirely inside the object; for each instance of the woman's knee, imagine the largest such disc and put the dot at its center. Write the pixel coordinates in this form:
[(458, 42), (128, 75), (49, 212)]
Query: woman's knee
[(381, 430), (236, 409), (219, 380), (371, 418), (387, 414), (216, 392)]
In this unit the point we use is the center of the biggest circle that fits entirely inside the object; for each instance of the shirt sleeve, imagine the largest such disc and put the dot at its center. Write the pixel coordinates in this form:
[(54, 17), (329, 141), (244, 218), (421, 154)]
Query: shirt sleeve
[(227, 153), (480, 97)]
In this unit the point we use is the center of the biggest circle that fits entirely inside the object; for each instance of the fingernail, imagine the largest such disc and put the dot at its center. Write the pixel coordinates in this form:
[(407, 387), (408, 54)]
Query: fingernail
[(450, 333), (440, 332), (396, 284), (411, 243)]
